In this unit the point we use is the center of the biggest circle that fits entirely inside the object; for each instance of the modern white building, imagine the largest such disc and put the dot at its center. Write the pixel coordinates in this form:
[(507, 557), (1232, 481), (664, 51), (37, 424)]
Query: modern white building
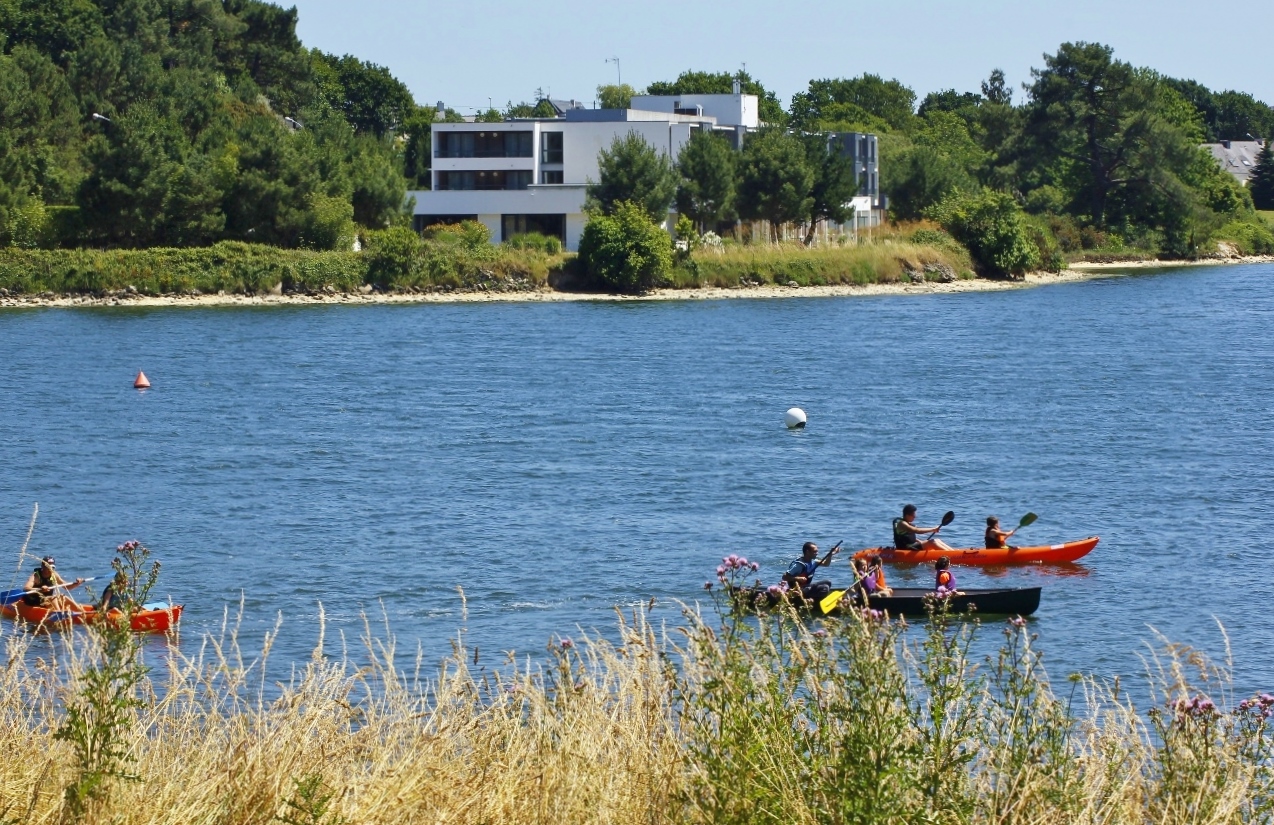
[(531, 175)]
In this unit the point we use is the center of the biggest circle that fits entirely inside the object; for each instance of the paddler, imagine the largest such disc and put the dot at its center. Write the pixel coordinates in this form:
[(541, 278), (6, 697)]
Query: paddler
[(43, 585), (800, 573), (907, 534), (995, 537)]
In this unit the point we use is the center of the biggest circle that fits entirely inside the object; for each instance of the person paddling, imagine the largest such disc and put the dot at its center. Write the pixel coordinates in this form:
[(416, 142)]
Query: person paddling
[(907, 534), (995, 537), (113, 596), (43, 585), (800, 573)]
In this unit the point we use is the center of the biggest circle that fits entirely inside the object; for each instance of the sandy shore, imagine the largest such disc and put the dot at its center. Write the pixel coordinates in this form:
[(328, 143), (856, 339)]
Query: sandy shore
[(1076, 272)]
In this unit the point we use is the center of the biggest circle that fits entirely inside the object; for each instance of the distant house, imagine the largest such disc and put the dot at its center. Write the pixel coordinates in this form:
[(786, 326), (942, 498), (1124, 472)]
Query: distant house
[(1238, 157), (531, 174)]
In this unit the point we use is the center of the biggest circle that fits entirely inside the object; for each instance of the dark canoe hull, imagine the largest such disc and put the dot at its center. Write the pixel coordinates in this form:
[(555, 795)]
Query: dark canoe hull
[(1015, 601), (916, 601)]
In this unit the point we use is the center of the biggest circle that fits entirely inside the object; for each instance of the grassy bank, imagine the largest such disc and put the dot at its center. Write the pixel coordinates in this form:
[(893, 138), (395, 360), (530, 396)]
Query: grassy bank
[(886, 261), (733, 720), (248, 269)]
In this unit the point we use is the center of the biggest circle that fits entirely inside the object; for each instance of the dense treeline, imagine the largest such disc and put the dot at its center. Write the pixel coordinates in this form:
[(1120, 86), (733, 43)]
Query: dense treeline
[(184, 122), (139, 123)]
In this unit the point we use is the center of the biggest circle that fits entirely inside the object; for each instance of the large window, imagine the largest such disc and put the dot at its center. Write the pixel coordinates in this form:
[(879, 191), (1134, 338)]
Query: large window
[(550, 176), (512, 179), (550, 147), (482, 144), (554, 225)]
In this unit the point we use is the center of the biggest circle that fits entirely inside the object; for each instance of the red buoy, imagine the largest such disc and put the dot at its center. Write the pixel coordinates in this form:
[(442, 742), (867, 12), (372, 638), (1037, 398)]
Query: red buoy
[(141, 382)]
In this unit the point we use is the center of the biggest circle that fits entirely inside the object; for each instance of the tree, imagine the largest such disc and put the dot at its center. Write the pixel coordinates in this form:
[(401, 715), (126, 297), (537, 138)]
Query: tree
[(1095, 114), (371, 98), (949, 101), (834, 183), (707, 167), (888, 100), (918, 178), (722, 83), (624, 250), (633, 170), (996, 90), (1261, 182), (541, 108), (774, 178), (612, 96)]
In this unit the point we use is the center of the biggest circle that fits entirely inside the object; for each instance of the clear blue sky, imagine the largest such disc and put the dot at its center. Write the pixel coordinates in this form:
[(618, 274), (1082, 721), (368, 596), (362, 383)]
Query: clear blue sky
[(466, 51)]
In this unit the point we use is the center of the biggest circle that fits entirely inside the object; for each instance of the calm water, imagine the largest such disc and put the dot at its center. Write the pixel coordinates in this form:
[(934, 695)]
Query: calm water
[(558, 460)]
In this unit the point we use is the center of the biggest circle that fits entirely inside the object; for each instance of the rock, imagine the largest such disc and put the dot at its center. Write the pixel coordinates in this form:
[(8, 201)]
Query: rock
[(793, 284), (366, 289), (221, 292), (130, 289), (4, 292), (277, 289)]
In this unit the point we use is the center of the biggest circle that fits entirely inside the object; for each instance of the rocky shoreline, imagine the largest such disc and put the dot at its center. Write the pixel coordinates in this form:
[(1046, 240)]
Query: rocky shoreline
[(1076, 272)]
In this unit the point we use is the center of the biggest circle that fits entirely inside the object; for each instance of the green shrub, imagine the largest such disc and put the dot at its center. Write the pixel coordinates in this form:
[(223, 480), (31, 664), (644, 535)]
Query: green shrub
[(548, 244), (393, 254), (329, 224), (1047, 247), (993, 228), (471, 235), (1251, 237), (27, 226), (626, 251)]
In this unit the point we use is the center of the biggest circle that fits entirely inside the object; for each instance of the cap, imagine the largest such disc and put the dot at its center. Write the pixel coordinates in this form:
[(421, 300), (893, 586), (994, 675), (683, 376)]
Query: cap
[(49, 561)]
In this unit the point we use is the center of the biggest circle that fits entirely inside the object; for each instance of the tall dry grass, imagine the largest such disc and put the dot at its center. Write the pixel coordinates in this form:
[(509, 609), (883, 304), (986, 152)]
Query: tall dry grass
[(728, 718), (888, 259)]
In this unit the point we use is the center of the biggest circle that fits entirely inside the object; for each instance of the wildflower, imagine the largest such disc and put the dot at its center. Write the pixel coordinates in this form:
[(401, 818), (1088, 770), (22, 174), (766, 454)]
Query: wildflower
[(707, 585), (720, 570), (579, 685), (755, 567), (1017, 621), (725, 559), (783, 586), (774, 590), (1266, 700), (820, 633), (567, 644), (741, 562)]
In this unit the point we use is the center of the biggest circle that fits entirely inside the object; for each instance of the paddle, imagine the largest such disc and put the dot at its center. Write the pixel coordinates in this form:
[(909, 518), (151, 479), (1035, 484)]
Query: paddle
[(1026, 521), (829, 602), (8, 597), (947, 518)]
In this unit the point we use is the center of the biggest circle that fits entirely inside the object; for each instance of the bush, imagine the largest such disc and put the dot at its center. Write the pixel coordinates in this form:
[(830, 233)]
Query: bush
[(393, 254), (1047, 247), (1251, 237), (626, 251), (471, 235), (994, 230), (329, 224), (548, 244)]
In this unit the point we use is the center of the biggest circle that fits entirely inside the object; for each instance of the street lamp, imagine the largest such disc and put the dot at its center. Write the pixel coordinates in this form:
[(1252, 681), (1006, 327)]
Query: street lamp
[(295, 124), (102, 118)]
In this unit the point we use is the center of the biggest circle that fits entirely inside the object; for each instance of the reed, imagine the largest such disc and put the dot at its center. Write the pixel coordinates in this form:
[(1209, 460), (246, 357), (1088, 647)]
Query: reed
[(727, 718)]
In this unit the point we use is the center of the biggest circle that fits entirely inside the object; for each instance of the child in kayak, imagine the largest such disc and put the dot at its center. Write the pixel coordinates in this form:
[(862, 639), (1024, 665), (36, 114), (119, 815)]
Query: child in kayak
[(995, 537), (876, 572), (945, 582)]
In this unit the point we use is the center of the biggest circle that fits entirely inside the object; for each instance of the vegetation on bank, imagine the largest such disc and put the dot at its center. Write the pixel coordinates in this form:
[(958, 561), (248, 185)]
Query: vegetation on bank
[(728, 719)]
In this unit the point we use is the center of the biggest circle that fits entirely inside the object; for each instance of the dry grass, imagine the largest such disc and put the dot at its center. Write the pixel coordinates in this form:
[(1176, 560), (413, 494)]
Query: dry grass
[(737, 722), (887, 259)]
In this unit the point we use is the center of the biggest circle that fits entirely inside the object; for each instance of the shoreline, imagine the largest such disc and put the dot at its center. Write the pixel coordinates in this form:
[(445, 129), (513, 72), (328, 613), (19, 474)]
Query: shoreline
[(1074, 273)]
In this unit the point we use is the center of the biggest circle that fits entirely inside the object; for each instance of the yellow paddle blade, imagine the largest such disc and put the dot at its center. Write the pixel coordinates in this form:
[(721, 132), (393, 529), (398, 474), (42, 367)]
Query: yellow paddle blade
[(829, 602)]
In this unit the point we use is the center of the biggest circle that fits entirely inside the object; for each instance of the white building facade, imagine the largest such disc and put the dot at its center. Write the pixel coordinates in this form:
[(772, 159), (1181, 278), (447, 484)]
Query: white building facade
[(531, 175)]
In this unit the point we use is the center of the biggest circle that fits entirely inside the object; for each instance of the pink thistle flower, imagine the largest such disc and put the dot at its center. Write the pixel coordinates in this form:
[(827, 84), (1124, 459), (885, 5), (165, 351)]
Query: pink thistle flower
[(707, 585), (720, 570), (755, 567), (567, 644)]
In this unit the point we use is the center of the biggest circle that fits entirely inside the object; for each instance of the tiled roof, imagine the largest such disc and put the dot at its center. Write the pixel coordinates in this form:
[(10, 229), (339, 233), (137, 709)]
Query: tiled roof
[(1238, 157)]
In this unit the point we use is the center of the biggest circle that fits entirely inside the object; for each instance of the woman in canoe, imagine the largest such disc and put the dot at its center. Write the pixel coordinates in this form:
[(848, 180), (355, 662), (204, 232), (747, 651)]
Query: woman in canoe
[(907, 534), (995, 537), (43, 586)]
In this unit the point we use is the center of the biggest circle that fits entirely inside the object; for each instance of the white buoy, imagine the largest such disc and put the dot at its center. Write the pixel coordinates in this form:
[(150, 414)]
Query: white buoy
[(794, 418)]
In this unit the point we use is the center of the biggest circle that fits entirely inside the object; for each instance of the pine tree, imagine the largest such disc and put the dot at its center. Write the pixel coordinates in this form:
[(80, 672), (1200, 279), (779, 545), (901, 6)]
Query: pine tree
[(1261, 182)]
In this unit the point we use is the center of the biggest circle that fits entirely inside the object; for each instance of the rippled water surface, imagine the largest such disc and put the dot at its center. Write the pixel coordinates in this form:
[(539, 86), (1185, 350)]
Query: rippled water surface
[(557, 460)]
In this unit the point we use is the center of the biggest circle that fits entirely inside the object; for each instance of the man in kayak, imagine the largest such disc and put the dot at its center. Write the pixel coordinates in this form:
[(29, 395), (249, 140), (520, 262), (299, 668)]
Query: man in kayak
[(907, 534), (800, 573), (44, 586)]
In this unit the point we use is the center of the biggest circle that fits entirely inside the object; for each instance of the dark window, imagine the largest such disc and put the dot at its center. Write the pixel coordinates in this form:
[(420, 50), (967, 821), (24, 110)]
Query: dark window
[(513, 179), (554, 225), (482, 145), (550, 147), (551, 177)]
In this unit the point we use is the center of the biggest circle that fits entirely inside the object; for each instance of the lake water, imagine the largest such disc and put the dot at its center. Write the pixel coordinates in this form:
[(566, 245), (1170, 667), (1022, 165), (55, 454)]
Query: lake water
[(559, 459)]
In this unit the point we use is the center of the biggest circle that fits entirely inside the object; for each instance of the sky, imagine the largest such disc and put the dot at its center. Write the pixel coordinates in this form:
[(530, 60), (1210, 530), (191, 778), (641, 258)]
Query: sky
[(472, 53)]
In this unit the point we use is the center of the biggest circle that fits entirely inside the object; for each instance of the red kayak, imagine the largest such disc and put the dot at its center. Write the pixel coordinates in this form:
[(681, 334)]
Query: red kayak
[(1069, 551), (152, 618)]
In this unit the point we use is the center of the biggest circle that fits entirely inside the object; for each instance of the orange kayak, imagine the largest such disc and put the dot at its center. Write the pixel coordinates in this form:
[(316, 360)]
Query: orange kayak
[(153, 618), (1069, 551)]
